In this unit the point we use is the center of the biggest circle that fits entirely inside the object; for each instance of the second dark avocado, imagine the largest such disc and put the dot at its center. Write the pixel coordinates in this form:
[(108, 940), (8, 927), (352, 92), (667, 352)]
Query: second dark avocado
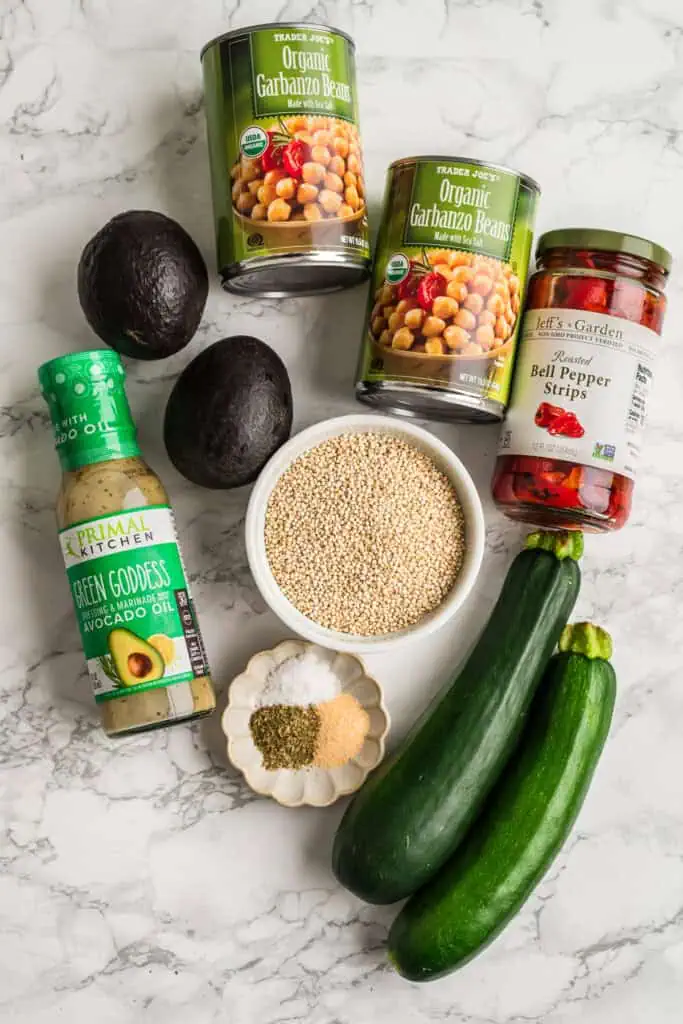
[(142, 284), (229, 411)]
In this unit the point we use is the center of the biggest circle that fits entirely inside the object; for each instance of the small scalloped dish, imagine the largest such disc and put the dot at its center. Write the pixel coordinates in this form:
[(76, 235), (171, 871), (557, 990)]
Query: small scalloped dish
[(315, 787)]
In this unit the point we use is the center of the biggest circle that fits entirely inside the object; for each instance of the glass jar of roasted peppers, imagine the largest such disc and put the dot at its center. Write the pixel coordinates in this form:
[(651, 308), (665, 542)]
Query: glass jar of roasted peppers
[(571, 440)]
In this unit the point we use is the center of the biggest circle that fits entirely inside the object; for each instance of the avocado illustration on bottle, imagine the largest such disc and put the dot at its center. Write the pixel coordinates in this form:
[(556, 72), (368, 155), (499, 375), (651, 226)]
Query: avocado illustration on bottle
[(134, 659), (138, 624)]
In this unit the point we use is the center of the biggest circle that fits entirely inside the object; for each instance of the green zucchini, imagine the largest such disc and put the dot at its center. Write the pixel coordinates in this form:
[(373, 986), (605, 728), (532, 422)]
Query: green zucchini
[(525, 821), (414, 810)]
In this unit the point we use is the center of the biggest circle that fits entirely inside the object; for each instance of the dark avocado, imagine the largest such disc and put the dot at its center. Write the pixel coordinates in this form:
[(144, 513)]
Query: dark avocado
[(134, 659), (142, 284), (230, 409)]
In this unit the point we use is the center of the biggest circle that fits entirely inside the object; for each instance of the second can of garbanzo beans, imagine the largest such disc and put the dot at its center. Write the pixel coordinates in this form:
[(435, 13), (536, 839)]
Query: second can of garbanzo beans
[(447, 289), (286, 160)]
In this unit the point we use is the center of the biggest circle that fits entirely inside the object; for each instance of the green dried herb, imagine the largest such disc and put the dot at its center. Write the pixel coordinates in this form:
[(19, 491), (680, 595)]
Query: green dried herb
[(285, 736)]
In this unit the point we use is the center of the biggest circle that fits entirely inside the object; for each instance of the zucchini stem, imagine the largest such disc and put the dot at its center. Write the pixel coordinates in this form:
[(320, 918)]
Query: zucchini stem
[(585, 638), (561, 543)]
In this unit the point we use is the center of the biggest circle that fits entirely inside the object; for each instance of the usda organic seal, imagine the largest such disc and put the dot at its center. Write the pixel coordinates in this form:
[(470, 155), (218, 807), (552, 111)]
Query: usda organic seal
[(253, 141), (398, 268)]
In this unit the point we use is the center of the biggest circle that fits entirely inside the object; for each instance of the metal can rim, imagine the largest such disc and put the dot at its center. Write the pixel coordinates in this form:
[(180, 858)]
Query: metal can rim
[(526, 179), (233, 33)]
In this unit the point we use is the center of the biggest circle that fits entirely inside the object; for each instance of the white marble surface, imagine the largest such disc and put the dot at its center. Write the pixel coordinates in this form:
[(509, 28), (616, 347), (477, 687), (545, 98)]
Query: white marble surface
[(140, 881)]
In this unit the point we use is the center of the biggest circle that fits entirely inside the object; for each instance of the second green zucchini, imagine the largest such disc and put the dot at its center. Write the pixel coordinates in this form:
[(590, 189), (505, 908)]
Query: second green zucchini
[(525, 821)]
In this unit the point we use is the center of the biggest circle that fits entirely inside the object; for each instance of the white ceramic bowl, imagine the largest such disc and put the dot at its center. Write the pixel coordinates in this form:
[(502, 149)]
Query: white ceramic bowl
[(316, 787), (444, 458)]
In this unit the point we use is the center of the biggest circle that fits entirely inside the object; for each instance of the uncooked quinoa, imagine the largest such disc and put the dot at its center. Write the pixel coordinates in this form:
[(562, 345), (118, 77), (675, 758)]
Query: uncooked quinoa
[(364, 534)]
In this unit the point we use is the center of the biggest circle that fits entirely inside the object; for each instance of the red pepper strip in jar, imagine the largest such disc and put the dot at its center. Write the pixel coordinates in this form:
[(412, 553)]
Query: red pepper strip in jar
[(569, 447)]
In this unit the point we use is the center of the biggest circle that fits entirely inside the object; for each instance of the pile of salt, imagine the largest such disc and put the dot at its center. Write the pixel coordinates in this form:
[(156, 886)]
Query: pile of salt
[(305, 679)]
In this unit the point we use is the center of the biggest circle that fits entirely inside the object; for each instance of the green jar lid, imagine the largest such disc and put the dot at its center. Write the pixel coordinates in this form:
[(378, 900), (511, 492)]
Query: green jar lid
[(88, 407), (604, 241)]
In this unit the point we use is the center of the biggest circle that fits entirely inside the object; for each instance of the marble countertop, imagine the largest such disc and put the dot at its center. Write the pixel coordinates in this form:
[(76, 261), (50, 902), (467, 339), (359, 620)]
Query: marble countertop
[(140, 880)]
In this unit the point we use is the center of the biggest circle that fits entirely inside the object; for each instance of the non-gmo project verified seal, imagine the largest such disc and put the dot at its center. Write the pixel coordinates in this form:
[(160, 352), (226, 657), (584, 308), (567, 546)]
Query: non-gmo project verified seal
[(606, 452)]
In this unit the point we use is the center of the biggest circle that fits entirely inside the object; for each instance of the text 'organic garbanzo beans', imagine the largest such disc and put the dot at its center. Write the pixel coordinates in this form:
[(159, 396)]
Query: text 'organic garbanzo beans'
[(286, 162), (447, 288)]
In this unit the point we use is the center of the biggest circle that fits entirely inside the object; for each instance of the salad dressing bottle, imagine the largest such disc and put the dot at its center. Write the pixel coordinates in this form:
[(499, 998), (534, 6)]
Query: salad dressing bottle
[(145, 654)]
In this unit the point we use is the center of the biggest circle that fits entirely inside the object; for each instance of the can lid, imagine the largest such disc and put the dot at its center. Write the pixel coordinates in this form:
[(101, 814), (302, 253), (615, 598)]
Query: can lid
[(88, 407), (526, 179), (604, 241), (307, 26)]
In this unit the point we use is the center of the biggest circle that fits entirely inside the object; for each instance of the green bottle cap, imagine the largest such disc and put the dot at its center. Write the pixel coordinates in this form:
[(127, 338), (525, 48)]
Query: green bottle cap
[(88, 407)]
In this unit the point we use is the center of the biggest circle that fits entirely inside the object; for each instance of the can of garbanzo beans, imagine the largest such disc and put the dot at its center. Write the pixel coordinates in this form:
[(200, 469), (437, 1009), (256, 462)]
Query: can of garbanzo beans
[(447, 289), (286, 161)]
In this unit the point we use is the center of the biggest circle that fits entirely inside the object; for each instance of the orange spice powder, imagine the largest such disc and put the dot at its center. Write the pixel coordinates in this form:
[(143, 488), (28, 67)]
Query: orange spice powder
[(344, 724)]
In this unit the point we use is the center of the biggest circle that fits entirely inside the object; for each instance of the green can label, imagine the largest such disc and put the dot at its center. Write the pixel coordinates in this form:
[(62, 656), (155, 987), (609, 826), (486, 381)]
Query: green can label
[(449, 278), (133, 604), (284, 146)]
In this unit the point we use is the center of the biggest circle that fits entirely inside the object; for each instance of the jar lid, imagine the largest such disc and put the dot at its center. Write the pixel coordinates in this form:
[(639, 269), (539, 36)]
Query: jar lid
[(605, 241)]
